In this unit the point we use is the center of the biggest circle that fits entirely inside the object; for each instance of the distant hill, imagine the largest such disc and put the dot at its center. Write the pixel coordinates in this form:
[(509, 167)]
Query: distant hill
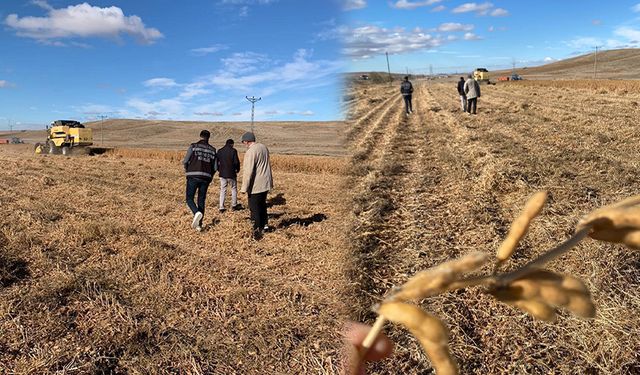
[(290, 137), (612, 64)]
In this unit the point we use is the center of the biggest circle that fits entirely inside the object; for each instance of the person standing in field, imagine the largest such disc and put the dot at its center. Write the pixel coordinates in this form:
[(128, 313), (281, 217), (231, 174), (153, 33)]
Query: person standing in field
[(257, 181), (228, 168), (463, 95), (406, 89), (472, 90), (200, 165)]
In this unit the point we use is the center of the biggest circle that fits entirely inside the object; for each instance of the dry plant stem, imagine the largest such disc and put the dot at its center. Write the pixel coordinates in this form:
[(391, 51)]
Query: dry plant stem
[(508, 277), (368, 341)]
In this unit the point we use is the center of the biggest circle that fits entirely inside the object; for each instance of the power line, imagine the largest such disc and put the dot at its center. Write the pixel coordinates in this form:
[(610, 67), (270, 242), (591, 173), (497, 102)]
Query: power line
[(595, 63), (388, 67), (253, 101), (102, 117)]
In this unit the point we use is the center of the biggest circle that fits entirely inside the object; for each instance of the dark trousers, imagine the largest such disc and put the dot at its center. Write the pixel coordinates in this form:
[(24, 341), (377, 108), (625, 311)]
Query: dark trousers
[(258, 208), (471, 105), (407, 103), (201, 186)]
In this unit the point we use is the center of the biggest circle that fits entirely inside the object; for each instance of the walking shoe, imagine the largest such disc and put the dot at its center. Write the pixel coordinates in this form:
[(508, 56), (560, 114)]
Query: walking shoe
[(198, 229), (222, 210), (268, 229), (237, 207), (257, 234), (196, 220)]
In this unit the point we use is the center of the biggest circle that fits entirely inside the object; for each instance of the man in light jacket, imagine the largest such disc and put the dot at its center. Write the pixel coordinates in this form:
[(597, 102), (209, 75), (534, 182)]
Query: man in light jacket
[(472, 89), (199, 165), (256, 181)]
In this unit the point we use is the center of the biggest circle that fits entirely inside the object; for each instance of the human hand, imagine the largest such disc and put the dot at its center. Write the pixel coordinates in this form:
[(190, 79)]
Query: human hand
[(354, 336)]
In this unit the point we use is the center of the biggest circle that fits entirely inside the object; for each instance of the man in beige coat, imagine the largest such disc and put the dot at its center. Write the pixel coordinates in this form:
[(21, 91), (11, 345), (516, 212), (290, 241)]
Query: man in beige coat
[(256, 181)]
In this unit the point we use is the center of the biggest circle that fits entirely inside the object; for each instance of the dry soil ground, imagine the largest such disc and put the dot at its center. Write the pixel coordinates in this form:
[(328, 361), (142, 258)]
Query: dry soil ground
[(100, 272), (441, 183)]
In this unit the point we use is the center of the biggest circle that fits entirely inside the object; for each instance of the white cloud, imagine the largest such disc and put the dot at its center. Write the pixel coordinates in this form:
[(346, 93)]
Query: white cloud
[(42, 4), (628, 32), (405, 4), (353, 4), (439, 8), (301, 72), (480, 9), (4, 84), (452, 26), (596, 22), (207, 50), (636, 8), (549, 59), (245, 5), (95, 109), (160, 82), (471, 36), (491, 29), (214, 114), (499, 12), (81, 21), (244, 62), (171, 107), (367, 41)]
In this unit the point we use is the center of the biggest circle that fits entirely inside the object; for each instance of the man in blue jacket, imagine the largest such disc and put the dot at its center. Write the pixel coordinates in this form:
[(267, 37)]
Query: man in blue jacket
[(406, 89), (200, 165)]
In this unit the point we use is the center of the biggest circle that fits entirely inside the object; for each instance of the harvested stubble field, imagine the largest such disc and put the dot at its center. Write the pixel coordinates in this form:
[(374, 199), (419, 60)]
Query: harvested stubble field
[(100, 272), (441, 183)]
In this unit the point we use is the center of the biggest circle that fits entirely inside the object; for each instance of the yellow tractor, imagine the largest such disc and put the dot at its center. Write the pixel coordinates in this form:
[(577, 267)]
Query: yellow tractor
[(63, 136), (481, 75)]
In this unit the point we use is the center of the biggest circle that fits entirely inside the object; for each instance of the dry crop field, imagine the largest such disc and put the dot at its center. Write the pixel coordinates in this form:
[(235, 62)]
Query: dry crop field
[(441, 183), (100, 272)]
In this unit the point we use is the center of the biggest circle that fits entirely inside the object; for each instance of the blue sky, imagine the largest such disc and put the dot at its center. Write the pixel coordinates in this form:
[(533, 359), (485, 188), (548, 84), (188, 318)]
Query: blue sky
[(448, 35), (163, 59)]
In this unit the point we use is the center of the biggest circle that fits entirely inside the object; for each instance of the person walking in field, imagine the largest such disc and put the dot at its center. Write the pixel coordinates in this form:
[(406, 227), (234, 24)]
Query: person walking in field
[(200, 165), (228, 168), (257, 181), (406, 89), (463, 95), (472, 90)]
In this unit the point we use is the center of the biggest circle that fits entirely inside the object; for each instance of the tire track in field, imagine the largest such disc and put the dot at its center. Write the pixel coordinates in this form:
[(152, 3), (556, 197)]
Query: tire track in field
[(362, 121)]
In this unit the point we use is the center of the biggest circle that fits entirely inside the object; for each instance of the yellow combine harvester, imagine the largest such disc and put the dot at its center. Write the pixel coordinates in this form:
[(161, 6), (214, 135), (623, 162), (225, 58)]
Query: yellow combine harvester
[(65, 135), (481, 75)]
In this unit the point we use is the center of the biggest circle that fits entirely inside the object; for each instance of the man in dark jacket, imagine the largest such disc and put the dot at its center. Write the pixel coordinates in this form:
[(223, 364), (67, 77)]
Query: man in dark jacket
[(463, 95), (200, 165), (406, 89), (228, 168)]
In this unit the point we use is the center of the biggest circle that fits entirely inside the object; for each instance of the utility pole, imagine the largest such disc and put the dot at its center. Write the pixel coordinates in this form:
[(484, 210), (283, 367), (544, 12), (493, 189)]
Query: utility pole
[(253, 101), (388, 67), (102, 117), (595, 64)]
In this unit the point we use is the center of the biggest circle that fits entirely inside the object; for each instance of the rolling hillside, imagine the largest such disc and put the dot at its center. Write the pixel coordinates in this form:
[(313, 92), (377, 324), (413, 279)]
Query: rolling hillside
[(613, 64)]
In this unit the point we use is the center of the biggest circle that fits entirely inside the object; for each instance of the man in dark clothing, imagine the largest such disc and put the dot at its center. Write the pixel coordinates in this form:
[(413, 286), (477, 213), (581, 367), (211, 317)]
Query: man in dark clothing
[(228, 168), (200, 165), (463, 95), (406, 89)]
